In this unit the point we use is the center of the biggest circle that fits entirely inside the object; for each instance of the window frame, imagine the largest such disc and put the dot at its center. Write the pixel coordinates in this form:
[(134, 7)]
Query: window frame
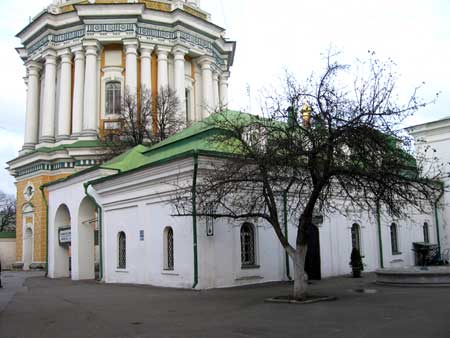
[(117, 101), (169, 249), (248, 248), (121, 252), (393, 230), (356, 236), (426, 232)]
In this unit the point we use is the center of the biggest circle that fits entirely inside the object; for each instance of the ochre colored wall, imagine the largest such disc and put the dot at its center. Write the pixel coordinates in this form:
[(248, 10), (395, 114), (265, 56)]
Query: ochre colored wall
[(39, 234)]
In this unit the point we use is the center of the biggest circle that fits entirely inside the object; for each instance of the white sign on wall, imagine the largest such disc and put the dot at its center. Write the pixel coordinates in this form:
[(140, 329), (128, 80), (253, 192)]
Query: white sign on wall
[(65, 236)]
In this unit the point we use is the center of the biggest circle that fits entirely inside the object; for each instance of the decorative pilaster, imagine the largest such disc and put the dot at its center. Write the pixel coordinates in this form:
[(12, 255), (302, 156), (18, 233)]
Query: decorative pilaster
[(90, 115), (131, 47), (180, 86), (49, 104), (146, 68), (207, 84), (163, 73), (65, 96), (32, 113), (223, 84), (78, 92)]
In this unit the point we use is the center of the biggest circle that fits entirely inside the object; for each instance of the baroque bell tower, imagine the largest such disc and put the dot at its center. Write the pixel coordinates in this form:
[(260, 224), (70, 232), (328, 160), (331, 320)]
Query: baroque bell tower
[(80, 58)]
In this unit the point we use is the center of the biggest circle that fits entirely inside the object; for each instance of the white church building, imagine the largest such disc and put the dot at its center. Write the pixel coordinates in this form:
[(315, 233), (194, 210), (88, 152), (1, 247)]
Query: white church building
[(114, 221)]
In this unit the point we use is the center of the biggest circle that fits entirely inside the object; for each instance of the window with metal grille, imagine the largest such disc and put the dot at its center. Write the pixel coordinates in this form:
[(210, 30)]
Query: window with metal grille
[(394, 238), (122, 248), (168, 249), (113, 97), (426, 233), (247, 245), (356, 237)]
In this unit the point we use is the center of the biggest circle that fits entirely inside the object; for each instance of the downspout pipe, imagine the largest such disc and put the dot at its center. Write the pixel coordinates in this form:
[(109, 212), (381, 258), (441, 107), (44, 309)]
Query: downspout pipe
[(380, 239), (194, 219), (436, 216), (100, 228), (285, 221), (41, 188)]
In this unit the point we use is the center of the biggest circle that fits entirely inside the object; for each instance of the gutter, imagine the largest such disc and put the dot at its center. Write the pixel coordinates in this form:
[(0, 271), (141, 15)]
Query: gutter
[(100, 228), (41, 188), (380, 239), (288, 272), (194, 219)]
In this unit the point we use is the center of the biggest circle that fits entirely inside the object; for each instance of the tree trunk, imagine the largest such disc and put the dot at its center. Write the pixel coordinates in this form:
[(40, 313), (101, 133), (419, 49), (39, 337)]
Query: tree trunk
[(300, 276)]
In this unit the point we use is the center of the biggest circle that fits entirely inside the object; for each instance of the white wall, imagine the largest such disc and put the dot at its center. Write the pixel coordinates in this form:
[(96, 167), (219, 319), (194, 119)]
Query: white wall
[(7, 252), (70, 194), (144, 259)]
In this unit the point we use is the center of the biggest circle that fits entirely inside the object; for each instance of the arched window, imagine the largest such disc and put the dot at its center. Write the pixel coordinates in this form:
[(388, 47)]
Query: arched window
[(247, 245), (122, 250), (168, 249), (113, 97), (426, 233), (356, 237), (394, 238)]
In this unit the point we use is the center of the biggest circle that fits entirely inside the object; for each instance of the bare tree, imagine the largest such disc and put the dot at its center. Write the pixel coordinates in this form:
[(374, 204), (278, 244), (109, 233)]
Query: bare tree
[(322, 146), (7, 211), (143, 120)]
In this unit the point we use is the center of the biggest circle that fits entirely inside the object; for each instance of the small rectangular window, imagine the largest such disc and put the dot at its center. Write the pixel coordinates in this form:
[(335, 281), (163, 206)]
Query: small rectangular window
[(141, 235)]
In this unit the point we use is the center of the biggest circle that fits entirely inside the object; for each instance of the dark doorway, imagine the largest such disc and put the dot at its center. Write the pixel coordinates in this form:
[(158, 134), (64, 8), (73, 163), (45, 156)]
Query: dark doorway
[(312, 263)]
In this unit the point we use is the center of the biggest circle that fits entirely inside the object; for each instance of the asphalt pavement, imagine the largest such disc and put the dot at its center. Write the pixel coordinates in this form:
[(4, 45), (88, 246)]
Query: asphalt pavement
[(61, 308)]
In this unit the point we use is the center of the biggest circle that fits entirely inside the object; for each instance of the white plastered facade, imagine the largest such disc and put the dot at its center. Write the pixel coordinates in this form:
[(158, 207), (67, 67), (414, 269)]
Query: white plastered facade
[(139, 205)]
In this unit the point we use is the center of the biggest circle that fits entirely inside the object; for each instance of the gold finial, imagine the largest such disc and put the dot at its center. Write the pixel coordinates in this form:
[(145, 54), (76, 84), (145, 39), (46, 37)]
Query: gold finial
[(306, 114)]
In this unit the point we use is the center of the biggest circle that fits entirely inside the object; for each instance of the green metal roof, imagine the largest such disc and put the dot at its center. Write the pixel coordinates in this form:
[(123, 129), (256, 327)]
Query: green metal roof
[(197, 138), (128, 160)]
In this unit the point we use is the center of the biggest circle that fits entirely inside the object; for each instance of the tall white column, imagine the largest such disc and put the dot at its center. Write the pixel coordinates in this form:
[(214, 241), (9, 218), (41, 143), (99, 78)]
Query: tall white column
[(215, 90), (48, 128), (180, 82), (32, 113), (131, 47), (207, 85), (146, 69), (64, 118), (223, 84), (78, 92), (163, 72), (90, 115)]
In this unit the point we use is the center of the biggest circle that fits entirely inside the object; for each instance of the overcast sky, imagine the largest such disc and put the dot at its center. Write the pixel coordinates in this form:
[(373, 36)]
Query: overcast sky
[(272, 36)]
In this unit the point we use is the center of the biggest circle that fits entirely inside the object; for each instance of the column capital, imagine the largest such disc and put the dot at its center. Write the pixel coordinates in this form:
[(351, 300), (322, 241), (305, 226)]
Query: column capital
[(92, 47), (66, 55), (179, 51), (33, 67), (131, 46), (163, 50), (224, 77), (50, 56), (131, 42), (205, 61), (147, 49)]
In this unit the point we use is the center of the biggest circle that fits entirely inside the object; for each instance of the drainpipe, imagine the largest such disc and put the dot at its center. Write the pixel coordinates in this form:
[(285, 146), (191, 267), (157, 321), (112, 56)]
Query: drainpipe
[(194, 219), (100, 229), (380, 240), (437, 218), (41, 188), (288, 272)]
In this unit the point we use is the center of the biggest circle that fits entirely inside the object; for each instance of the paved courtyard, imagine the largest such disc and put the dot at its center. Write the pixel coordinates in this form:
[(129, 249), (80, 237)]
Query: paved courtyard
[(62, 308)]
